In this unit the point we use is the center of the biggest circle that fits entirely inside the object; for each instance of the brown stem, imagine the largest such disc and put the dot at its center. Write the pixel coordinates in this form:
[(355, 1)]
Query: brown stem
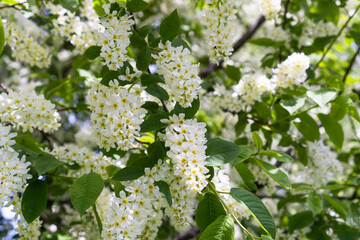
[(351, 63), (164, 106), (3, 87), (12, 6), (133, 18)]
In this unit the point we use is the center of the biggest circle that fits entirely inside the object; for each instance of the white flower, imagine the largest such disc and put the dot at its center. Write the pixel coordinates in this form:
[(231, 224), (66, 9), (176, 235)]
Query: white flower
[(269, 8)]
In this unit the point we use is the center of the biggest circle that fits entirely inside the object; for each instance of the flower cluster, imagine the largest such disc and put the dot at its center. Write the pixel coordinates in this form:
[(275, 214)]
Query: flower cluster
[(116, 114), (252, 86), (26, 47), (13, 170), (220, 18), (29, 111), (292, 71), (222, 182), (114, 38), (269, 8), (181, 77)]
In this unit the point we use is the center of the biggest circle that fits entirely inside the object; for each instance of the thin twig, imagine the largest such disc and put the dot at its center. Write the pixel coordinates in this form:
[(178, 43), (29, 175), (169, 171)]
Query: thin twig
[(3, 87), (133, 18), (67, 109), (164, 106), (12, 6), (351, 63)]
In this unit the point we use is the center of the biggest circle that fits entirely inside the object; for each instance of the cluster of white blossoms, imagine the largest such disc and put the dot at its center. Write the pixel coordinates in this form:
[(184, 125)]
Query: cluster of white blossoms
[(222, 98), (28, 111), (220, 19), (317, 30), (269, 8), (251, 87), (25, 45), (116, 114), (13, 170), (222, 183), (79, 30), (136, 213), (88, 160), (292, 71), (181, 76), (323, 165), (187, 143), (114, 38)]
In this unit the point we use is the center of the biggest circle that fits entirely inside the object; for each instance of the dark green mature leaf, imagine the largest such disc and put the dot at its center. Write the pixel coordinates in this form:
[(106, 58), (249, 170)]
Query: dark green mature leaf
[(157, 91), (111, 170), (333, 129), (315, 203), (290, 199), (2, 38), (221, 152), (245, 153), (85, 190), (247, 176), (300, 220), (258, 141), (92, 52), (322, 96), (208, 210), (292, 105), (275, 173), (308, 127), (266, 42), (156, 151), (280, 156), (143, 59), (164, 188), (233, 72), (257, 209), (345, 103), (34, 200), (337, 205), (150, 79), (221, 229), (45, 162), (137, 40), (190, 112), (128, 173), (170, 27), (153, 122), (71, 5), (179, 42), (136, 5)]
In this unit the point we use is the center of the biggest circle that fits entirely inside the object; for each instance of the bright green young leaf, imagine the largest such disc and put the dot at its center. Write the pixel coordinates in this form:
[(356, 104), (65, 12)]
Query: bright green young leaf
[(221, 152), (322, 96), (258, 141), (164, 188), (333, 129), (292, 105), (265, 237), (34, 200), (128, 173), (315, 203), (136, 5), (300, 220), (208, 210), (280, 156), (71, 5), (143, 59), (247, 176), (85, 190), (275, 173), (92, 52), (170, 27), (221, 229), (45, 162), (2, 37), (256, 208)]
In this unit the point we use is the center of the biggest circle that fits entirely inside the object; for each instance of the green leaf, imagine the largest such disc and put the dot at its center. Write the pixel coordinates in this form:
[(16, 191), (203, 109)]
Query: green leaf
[(280, 156), (346, 103), (221, 229), (2, 37), (315, 203), (170, 27), (128, 173), (190, 112), (233, 72), (221, 152), (164, 188), (258, 141), (92, 52), (333, 129), (150, 79), (266, 42), (337, 205), (300, 220), (245, 153), (136, 5), (137, 40), (111, 170), (71, 5), (45, 162), (85, 190), (308, 127), (34, 200), (153, 122), (256, 208), (97, 217), (292, 105), (156, 151), (157, 91), (265, 237), (143, 59), (208, 210), (179, 42), (247, 176), (275, 173), (322, 96)]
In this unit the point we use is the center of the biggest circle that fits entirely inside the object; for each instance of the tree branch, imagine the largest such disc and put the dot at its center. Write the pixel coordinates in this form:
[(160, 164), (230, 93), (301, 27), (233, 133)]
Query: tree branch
[(351, 63), (12, 6), (3, 87), (211, 67)]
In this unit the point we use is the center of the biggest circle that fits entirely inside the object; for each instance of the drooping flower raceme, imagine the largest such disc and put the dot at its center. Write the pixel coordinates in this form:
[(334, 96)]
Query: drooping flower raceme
[(181, 76), (28, 111), (220, 31), (292, 71), (252, 86), (114, 39), (269, 8), (116, 114)]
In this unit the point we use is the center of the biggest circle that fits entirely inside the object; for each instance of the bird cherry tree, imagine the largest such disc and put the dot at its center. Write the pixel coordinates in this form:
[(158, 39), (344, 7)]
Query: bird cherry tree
[(180, 119)]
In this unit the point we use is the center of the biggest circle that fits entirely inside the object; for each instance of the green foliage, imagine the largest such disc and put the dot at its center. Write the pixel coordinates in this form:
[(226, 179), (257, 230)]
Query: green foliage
[(136, 5), (34, 200), (2, 38), (170, 27), (333, 129), (221, 229), (322, 97), (71, 5), (221, 152), (92, 52), (275, 173), (300, 220), (45, 162), (164, 188)]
